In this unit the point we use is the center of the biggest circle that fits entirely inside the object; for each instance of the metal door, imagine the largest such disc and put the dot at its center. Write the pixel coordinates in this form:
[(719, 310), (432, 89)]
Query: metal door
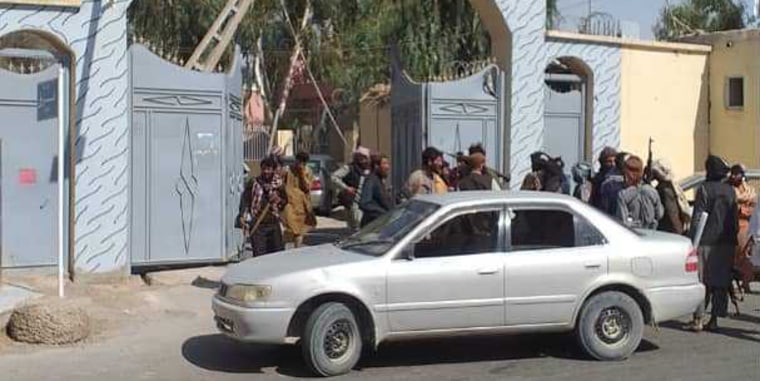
[(547, 278), (185, 198), (564, 121), (29, 185), (449, 291), (186, 162), (465, 112), (407, 114)]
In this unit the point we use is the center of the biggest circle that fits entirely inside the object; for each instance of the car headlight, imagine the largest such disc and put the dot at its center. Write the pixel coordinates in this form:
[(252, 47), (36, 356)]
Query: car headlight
[(247, 293)]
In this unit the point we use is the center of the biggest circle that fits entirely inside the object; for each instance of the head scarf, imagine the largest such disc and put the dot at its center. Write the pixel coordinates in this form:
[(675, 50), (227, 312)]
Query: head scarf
[(363, 151), (582, 172), (661, 170), (606, 152), (476, 160), (739, 169), (633, 170), (716, 168)]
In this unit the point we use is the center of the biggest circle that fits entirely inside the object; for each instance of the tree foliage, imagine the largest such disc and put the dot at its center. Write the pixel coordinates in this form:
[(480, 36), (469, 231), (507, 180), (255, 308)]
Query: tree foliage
[(348, 43), (699, 16)]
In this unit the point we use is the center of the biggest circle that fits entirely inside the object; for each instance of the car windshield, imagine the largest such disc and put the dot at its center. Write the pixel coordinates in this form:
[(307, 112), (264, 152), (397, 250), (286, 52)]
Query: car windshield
[(382, 234)]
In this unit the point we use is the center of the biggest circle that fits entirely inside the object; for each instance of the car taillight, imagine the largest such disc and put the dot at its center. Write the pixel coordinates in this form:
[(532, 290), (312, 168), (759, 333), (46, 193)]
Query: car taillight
[(316, 185), (692, 261)]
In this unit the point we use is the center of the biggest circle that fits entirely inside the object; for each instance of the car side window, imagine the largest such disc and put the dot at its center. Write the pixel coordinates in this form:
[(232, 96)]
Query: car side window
[(587, 234), (465, 234), (539, 229)]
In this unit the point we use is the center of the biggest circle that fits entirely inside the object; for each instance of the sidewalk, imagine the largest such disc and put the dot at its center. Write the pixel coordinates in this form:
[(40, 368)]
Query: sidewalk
[(13, 296)]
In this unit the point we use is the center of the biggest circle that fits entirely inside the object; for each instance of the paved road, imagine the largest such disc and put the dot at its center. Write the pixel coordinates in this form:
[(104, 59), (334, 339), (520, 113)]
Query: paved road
[(176, 340)]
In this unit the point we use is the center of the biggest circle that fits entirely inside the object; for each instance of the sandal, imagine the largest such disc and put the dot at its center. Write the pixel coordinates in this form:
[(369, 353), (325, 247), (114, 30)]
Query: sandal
[(696, 325)]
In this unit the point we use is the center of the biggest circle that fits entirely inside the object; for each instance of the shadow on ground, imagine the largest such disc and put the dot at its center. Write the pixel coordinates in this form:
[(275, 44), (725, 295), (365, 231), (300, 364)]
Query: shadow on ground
[(219, 353), (203, 282), (733, 332)]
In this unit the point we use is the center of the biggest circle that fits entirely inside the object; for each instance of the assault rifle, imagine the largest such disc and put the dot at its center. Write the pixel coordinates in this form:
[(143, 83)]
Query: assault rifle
[(648, 169)]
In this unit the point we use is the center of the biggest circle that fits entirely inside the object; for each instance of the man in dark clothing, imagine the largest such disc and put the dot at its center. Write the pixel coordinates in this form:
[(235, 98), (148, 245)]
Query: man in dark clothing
[(376, 195), (717, 245), (610, 188), (546, 174), (349, 179), (499, 180), (479, 227), (267, 201), (671, 221), (607, 168), (477, 178)]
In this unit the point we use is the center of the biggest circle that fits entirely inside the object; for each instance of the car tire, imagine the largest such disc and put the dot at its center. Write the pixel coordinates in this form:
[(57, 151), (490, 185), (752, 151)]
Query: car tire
[(610, 326), (332, 341)]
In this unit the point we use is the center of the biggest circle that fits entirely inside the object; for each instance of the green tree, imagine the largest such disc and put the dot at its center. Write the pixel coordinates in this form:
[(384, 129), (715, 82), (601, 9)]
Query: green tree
[(347, 46), (699, 16)]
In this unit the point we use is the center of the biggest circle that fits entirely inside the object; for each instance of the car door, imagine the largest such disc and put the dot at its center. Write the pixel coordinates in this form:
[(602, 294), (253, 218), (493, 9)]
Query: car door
[(554, 256), (455, 279)]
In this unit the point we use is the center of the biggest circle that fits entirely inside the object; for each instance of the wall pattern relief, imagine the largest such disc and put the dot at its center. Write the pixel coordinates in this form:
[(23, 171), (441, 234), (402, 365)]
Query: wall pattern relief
[(97, 33), (526, 20)]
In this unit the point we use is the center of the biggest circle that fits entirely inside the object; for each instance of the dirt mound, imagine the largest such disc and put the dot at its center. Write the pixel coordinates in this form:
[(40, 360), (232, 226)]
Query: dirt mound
[(49, 323)]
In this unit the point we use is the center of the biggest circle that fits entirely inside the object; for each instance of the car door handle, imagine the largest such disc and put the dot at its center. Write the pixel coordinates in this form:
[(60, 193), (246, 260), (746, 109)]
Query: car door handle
[(593, 266), (488, 271)]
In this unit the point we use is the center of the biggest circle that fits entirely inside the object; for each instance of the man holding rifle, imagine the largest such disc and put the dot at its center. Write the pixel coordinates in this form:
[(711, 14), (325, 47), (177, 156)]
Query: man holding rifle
[(268, 199)]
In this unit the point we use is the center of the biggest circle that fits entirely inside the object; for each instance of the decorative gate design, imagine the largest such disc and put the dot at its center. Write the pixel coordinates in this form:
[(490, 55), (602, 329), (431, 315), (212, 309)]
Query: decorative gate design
[(186, 161), (28, 176), (450, 116)]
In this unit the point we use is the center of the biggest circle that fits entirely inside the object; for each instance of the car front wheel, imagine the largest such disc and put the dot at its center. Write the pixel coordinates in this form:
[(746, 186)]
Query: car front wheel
[(332, 343), (610, 326)]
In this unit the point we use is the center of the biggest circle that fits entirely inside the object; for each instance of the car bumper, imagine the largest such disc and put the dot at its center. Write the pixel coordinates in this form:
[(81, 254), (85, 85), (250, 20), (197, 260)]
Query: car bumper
[(257, 325), (670, 303), (316, 198)]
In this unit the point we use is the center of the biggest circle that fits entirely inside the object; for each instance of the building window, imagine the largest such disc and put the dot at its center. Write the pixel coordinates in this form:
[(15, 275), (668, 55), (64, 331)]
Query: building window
[(735, 93)]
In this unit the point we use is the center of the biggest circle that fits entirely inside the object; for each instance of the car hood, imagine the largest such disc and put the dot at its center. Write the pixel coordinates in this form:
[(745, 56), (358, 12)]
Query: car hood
[(289, 262)]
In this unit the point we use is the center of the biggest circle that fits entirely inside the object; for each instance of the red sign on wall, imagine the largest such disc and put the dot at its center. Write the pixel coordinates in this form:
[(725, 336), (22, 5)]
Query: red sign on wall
[(27, 176)]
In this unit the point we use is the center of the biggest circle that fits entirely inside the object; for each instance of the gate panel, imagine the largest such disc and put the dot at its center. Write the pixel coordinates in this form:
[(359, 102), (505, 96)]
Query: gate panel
[(185, 148), (234, 159), (465, 112), (185, 199), (408, 120), (28, 180)]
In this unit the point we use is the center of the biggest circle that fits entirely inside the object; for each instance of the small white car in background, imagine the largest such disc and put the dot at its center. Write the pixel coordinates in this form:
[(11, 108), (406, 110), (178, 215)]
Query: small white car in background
[(467, 262)]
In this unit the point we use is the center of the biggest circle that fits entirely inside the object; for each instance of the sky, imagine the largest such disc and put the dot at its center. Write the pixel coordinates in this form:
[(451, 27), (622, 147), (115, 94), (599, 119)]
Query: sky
[(643, 12)]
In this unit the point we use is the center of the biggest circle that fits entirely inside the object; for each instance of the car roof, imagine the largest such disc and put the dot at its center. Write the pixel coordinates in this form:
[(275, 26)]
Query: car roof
[(698, 178), (484, 197)]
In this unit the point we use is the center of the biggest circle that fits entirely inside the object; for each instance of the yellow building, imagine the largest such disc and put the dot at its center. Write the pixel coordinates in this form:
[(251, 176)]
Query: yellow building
[(664, 96), (734, 82)]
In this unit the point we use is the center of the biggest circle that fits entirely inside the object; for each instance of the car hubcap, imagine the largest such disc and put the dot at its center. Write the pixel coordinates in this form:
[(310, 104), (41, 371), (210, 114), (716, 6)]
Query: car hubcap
[(338, 339), (613, 325)]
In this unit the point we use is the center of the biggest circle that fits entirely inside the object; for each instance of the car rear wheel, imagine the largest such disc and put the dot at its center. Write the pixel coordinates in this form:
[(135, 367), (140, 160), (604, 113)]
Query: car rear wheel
[(332, 342), (610, 326)]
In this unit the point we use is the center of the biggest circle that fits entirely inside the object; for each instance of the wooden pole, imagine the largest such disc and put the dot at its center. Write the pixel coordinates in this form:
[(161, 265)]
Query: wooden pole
[(291, 70)]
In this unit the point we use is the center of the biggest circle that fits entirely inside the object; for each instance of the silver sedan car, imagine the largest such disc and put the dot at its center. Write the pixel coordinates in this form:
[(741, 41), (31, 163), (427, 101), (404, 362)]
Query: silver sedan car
[(468, 262)]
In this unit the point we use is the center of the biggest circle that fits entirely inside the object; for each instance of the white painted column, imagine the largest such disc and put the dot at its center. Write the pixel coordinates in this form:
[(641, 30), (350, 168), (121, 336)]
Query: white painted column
[(61, 177)]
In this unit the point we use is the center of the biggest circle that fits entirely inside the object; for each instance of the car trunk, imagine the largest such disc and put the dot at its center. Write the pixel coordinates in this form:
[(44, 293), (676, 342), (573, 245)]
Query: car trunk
[(664, 259)]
